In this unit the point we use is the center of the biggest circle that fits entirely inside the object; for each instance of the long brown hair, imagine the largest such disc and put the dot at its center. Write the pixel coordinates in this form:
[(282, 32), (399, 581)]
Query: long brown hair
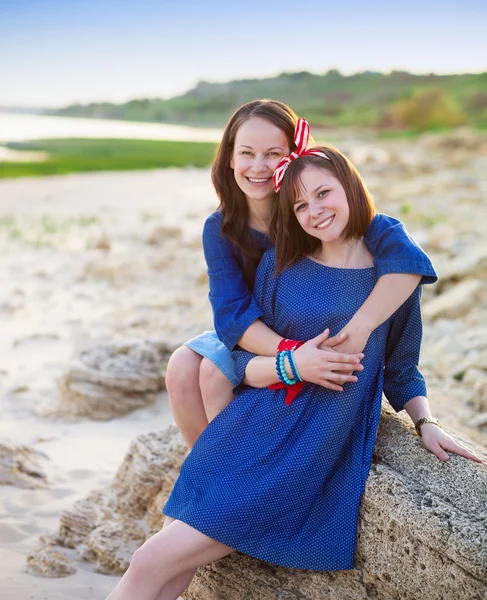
[(292, 242), (233, 204)]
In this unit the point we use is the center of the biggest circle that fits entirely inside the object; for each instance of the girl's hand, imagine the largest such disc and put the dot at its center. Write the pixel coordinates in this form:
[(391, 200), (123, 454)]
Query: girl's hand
[(437, 441), (327, 368)]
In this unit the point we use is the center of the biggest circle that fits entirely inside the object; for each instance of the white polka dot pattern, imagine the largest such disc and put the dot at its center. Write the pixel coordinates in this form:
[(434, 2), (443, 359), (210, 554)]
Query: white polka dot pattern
[(283, 483)]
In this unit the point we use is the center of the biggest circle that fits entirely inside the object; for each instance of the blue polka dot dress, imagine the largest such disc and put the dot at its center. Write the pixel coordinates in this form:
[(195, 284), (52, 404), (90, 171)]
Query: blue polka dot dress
[(283, 483)]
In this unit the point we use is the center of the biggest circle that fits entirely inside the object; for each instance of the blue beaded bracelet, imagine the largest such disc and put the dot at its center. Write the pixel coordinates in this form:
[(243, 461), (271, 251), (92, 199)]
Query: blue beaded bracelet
[(285, 378), (278, 368), (281, 369), (294, 367)]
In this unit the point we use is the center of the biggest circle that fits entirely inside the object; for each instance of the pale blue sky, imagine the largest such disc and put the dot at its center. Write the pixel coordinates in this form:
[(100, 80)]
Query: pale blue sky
[(56, 52)]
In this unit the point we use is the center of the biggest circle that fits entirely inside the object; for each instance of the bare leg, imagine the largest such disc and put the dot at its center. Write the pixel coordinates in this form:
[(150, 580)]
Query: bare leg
[(174, 588), (176, 549), (216, 390), (182, 383), (177, 586)]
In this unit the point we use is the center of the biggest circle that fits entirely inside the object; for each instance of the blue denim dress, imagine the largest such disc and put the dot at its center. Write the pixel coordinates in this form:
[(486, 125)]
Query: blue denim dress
[(234, 305), (283, 483)]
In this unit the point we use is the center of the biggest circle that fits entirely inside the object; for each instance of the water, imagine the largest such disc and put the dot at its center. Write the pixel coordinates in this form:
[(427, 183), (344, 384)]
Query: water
[(21, 127)]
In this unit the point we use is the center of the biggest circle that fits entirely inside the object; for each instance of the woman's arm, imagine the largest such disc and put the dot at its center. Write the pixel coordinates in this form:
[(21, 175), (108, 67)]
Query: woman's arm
[(260, 339), (234, 306), (401, 265), (389, 293), (314, 365)]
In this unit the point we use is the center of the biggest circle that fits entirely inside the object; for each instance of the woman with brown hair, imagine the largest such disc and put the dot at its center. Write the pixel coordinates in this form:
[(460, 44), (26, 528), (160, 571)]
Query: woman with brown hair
[(201, 374), (281, 480)]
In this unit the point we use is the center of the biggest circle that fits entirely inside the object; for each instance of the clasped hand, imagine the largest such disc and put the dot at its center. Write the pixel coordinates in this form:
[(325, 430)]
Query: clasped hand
[(324, 366)]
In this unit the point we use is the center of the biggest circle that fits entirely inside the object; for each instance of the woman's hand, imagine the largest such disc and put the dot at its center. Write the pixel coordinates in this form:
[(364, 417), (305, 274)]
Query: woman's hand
[(351, 339), (327, 367), (437, 441)]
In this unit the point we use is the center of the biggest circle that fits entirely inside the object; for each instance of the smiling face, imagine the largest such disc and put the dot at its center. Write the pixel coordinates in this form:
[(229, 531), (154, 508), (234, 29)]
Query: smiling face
[(321, 206), (259, 146)]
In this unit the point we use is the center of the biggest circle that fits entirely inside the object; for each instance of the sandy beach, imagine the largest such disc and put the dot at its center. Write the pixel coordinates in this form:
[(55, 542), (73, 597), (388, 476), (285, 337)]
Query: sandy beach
[(61, 291), (118, 255)]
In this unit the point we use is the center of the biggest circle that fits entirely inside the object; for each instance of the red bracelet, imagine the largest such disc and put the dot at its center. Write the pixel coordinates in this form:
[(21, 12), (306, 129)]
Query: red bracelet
[(292, 390), (286, 344)]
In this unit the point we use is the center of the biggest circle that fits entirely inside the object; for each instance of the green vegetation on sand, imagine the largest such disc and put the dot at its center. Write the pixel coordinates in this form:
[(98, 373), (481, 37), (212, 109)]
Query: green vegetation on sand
[(82, 155)]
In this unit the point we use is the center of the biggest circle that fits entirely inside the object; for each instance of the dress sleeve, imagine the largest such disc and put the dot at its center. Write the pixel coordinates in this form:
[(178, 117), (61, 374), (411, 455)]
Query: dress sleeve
[(234, 307), (395, 251), (265, 294), (402, 378)]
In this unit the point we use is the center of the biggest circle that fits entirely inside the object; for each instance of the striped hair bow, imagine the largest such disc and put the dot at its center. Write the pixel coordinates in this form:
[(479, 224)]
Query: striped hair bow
[(301, 137)]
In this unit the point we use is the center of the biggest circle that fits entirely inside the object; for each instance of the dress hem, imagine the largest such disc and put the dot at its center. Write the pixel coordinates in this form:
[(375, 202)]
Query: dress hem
[(279, 564)]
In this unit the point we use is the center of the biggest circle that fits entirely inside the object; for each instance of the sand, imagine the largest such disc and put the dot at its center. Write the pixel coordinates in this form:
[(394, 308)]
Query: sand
[(58, 291)]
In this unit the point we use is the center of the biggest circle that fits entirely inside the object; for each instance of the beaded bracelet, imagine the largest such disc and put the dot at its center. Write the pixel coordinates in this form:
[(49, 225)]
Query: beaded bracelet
[(281, 369), (294, 366), (295, 386)]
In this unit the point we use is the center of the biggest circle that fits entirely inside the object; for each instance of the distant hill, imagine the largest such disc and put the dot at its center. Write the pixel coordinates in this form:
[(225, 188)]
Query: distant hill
[(364, 99)]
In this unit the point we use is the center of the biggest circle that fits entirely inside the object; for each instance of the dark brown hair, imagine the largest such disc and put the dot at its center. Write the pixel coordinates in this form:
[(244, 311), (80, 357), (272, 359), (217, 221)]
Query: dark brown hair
[(292, 242), (233, 204)]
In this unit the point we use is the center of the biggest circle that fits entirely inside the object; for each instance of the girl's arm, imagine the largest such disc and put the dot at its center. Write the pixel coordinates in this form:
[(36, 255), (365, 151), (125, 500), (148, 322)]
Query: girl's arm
[(404, 385), (434, 438)]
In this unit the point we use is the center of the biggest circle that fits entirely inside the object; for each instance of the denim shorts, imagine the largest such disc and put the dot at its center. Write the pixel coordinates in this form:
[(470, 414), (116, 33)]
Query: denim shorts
[(208, 344)]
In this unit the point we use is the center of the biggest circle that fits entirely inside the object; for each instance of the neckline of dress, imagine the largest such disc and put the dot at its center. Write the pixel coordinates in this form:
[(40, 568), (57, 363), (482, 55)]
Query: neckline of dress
[(338, 268)]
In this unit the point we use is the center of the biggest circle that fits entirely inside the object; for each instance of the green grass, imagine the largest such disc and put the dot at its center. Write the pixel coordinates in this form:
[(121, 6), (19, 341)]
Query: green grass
[(83, 155)]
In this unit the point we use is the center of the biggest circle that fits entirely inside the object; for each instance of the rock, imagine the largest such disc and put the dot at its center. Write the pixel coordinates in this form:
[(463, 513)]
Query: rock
[(477, 380), (472, 263), (462, 138), (361, 154), (110, 524), (20, 466), (418, 516), (454, 303), (479, 420), (162, 233), (113, 378), (138, 480), (47, 560), (101, 243)]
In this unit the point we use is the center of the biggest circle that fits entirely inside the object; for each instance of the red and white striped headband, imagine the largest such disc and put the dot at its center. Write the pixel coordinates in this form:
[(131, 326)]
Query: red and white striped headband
[(301, 137)]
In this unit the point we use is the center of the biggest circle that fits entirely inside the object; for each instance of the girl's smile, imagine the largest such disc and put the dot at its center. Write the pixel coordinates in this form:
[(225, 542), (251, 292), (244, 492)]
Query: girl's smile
[(321, 207)]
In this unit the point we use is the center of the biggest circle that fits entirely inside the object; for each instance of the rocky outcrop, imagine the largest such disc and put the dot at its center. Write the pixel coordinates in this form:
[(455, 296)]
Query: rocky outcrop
[(422, 534), (419, 516), (110, 524), (21, 466), (110, 379)]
